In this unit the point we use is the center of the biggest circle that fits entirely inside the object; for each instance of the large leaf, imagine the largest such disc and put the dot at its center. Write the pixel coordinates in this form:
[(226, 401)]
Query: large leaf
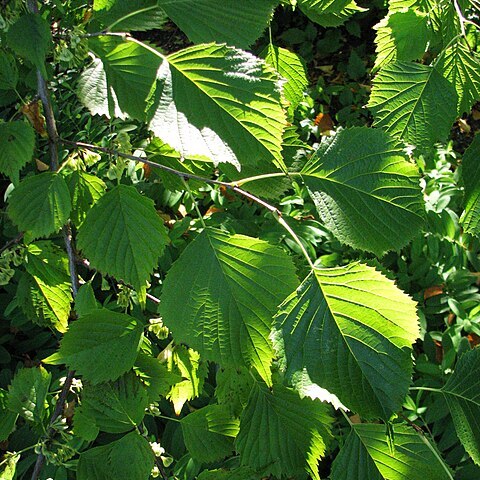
[(129, 457), (462, 68), (365, 190), (27, 394), (194, 97), (401, 36), (123, 236), (40, 204), (18, 142), (235, 23), (30, 38), (471, 182), (352, 330), (223, 306), (413, 102), (48, 266), (292, 68), (282, 433), (209, 432), (102, 345), (462, 393), (367, 454), (115, 407), (329, 13)]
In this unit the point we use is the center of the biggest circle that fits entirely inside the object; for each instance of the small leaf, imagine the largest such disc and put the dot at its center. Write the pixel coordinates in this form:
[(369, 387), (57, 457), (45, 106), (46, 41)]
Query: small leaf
[(7, 417), (27, 395), (40, 204), (209, 432), (85, 300), (30, 38), (8, 72), (123, 236), (223, 307), (329, 13), (115, 407), (462, 393), (367, 455), (282, 433), (365, 190), (471, 182), (352, 330), (101, 346), (413, 102), (18, 143)]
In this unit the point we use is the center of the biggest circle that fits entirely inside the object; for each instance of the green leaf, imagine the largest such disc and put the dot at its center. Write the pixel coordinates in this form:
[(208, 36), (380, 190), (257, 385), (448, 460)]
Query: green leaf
[(30, 37), (129, 457), (283, 433), (186, 363), (194, 97), (8, 72), (18, 143), (40, 204), (242, 473), (401, 36), (155, 376), (352, 329), (7, 418), (123, 236), (365, 190), (127, 15), (101, 346), (209, 432), (462, 394), (48, 266), (471, 182), (461, 68), (228, 21), (233, 387), (329, 13), (367, 455), (85, 191), (292, 68), (115, 407), (85, 300), (224, 305), (27, 395), (413, 102)]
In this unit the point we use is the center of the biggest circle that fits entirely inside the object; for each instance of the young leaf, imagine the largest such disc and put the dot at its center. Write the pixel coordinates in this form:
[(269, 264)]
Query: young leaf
[(209, 432), (129, 457), (365, 190), (471, 182), (462, 393), (283, 433), (292, 68), (223, 307), (40, 204), (367, 455), (101, 346), (30, 38), (413, 102), (194, 97), (123, 236), (115, 407), (18, 142), (28, 393), (228, 21), (401, 36), (461, 68), (329, 13), (352, 330), (48, 266), (85, 191)]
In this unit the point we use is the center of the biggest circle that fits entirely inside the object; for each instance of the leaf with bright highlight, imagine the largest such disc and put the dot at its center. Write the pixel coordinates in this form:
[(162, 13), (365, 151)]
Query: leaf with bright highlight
[(365, 190), (223, 307), (352, 330)]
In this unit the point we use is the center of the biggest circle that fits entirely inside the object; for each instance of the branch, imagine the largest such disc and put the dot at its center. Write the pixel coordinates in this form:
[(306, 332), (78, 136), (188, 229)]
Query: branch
[(277, 214)]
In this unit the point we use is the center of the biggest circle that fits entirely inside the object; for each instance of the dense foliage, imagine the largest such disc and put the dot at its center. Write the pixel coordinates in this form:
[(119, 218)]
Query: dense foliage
[(240, 239)]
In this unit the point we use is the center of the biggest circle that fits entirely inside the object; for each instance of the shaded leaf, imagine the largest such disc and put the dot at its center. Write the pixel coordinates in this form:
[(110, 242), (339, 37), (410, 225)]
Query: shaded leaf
[(471, 182), (18, 143), (233, 387), (8, 72), (7, 417)]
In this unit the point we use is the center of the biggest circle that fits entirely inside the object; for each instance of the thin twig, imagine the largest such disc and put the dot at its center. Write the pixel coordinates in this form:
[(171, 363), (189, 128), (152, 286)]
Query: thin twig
[(11, 242)]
